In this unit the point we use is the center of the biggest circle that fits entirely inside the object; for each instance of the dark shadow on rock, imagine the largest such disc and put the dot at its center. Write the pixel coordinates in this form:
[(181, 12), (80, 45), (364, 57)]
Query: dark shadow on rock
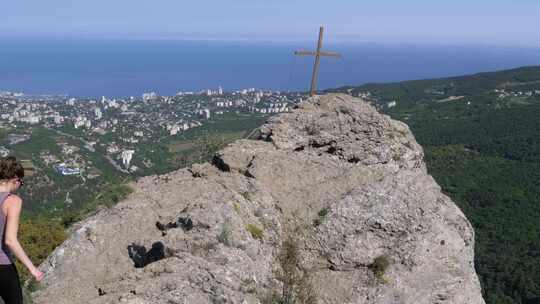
[(141, 257), (186, 223), (219, 163)]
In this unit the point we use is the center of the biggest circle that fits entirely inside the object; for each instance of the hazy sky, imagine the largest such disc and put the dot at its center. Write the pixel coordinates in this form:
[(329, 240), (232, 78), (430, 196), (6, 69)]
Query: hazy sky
[(499, 22)]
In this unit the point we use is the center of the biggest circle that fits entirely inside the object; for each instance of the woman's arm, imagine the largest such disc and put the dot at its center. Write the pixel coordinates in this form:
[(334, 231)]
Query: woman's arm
[(14, 205)]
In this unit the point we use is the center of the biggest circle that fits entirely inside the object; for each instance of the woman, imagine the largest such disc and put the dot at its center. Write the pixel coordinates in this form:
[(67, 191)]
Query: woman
[(11, 174)]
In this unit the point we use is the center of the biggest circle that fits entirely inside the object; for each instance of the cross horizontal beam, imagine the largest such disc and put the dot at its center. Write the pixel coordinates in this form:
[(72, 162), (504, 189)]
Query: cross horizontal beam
[(322, 53)]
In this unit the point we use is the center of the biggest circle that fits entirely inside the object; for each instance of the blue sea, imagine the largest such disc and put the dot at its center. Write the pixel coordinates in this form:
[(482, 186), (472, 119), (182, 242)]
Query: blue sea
[(121, 68)]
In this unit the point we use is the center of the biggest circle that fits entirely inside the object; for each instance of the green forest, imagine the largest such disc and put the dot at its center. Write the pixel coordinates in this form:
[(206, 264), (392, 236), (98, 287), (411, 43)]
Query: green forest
[(481, 137)]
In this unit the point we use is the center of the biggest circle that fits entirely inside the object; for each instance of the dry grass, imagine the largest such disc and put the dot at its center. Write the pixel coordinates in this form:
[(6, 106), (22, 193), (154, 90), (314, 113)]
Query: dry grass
[(256, 232)]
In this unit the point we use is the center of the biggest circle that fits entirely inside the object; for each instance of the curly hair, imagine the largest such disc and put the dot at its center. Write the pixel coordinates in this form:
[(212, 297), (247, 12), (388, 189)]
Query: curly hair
[(10, 168)]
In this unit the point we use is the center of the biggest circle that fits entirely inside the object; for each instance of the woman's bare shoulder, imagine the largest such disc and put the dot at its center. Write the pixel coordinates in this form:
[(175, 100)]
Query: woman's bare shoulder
[(12, 202), (13, 199)]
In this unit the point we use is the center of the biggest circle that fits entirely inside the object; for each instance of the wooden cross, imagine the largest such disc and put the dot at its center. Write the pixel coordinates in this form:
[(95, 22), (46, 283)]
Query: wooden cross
[(317, 55)]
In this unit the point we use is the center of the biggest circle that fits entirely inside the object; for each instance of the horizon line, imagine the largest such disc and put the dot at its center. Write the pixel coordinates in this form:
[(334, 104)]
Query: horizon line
[(340, 39)]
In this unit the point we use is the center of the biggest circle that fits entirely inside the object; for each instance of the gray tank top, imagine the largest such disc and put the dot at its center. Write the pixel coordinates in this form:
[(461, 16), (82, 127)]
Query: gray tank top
[(5, 255)]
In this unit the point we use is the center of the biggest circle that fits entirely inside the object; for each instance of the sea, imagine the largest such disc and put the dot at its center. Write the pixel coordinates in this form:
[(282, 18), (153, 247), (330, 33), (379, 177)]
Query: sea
[(94, 67)]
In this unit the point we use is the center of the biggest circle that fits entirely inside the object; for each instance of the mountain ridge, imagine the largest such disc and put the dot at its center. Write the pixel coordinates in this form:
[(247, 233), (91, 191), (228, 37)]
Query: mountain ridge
[(332, 204), (510, 73)]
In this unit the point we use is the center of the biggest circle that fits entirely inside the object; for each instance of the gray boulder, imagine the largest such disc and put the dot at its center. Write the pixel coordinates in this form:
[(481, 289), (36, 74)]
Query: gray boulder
[(333, 204)]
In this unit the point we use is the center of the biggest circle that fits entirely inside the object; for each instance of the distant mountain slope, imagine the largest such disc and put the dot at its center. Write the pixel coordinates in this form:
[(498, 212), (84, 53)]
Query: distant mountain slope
[(419, 91), (481, 135)]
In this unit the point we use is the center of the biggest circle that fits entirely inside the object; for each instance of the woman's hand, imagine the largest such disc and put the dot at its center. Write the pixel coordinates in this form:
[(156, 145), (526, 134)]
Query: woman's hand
[(38, 275)]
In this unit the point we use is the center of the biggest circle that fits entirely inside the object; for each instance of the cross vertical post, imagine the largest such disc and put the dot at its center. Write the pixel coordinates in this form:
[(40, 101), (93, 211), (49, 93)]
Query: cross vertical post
[(313, 89), (318, 53)]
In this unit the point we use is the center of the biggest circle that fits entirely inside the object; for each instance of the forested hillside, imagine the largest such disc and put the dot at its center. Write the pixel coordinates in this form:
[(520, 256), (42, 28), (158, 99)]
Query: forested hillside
[(481, 136)]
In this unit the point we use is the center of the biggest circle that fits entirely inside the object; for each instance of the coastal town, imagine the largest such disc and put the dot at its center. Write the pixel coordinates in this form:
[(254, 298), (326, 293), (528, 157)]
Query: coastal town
[(119, 127)]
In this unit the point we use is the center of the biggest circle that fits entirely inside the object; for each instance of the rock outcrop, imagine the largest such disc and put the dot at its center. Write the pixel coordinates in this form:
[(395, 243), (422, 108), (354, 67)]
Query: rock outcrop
[(332, 204)]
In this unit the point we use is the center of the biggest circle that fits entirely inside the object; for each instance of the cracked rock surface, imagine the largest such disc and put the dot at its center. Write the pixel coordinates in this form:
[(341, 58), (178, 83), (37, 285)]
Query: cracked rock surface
[(332, 204)]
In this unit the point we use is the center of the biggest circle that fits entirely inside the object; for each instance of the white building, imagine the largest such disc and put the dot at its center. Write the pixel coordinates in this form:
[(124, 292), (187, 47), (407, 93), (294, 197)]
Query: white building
[(113, 148), (80, 121), (206, 113), (127, 155), (113, 104), (97, 113), (32, 119), (152, 96), (174, 130), (58, 119)]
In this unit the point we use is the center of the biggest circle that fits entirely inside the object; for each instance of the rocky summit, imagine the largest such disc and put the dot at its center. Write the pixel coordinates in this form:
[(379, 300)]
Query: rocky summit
[(331, 203)]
